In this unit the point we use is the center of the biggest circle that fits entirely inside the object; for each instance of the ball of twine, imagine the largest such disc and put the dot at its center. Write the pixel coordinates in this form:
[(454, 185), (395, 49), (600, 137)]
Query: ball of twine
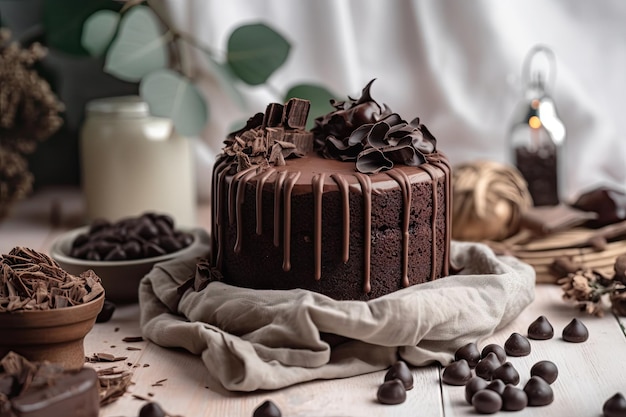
[(488, 201)]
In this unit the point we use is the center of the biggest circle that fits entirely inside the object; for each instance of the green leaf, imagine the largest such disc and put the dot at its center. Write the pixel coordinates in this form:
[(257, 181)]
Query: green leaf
[(139, 47), (170, 95), (255, 51), (317, 95), (63, 22), (99, 30)]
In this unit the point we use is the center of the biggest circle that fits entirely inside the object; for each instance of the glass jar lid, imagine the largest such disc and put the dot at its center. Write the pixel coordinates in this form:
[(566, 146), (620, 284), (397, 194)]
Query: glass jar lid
[(129, 106)]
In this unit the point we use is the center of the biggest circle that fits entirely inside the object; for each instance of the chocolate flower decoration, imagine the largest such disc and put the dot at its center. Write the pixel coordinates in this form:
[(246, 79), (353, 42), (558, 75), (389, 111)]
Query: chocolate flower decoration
[(333, 129), (378, 146)]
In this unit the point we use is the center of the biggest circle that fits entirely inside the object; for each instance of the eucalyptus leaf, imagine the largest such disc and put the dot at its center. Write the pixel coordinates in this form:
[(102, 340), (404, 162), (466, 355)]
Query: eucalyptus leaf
[(63, 22), (99, 30), (139, 48), (255, 51), (318, 96), (170, 95)]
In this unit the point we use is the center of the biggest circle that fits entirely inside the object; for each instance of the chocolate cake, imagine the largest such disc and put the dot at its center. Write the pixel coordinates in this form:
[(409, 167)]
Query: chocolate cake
[(355, 209)]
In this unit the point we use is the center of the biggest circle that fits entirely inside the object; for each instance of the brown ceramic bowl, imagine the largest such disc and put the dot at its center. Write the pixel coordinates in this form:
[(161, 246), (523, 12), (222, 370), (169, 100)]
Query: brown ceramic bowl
[(54, 335), (119, 278)]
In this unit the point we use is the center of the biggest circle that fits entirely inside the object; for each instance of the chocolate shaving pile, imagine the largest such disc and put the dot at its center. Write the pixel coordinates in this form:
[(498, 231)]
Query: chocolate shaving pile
[(30, 280)]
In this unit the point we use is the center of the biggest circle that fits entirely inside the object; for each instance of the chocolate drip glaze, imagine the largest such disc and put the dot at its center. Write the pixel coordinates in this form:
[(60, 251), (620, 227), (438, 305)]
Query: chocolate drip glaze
[(318, 177)]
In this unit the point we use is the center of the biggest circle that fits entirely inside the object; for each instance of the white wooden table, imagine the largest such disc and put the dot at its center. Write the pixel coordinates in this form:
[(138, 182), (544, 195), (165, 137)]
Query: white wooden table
[(589, 373)]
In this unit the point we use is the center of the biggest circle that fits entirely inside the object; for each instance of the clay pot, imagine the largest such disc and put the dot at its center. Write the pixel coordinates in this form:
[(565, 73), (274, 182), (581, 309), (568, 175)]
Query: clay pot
[(54, 335)]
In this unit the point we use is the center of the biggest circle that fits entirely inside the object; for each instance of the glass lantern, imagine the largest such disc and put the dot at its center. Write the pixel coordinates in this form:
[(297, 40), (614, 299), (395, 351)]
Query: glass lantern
[(537, 134)]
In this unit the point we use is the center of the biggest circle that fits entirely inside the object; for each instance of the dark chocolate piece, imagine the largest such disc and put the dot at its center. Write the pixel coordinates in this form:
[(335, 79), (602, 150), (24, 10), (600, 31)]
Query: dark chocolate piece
[(267, 409), (391, 392), (470, 353), (151, 409), (473, 386), (487, 402), (401, 371), (546, 370), (507, 373), (457, 373), (108, 308), (487, 365), (605, 203), (539, 392), (513, 398), (615, 406), (496, 385), (575, 332), (540, 329), (68, 391), (497, 349), (517, 345)]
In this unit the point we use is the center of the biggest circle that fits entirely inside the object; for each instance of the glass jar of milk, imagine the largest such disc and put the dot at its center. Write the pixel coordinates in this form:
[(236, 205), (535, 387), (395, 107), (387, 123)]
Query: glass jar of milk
[(132, 162)]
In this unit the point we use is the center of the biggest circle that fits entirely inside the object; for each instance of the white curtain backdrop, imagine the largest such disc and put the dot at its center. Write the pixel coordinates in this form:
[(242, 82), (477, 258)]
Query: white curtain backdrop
[(456, 64)]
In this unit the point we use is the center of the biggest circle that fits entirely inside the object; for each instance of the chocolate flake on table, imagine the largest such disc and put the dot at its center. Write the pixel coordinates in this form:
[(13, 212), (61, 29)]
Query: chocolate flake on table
[(31, 280), (132, 339), (159, 383), (105, 357)]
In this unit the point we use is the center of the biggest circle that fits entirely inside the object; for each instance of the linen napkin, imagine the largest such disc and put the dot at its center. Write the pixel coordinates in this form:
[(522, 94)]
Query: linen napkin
[(269, 339)]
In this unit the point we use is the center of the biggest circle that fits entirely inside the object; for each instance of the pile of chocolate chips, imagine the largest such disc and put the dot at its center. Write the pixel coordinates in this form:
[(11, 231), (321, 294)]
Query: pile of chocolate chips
[(144, 236), (493, 384)]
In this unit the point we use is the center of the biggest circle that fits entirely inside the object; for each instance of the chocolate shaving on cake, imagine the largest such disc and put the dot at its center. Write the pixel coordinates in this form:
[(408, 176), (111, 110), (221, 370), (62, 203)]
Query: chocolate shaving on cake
[(30, 280), (371, 135), (271, 137)]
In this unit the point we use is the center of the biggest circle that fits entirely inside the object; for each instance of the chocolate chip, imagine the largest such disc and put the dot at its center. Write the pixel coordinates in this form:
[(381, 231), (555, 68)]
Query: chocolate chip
[(487, 402), (538, 391), (457, 373), (401, 371), (391, 392), (507, 373), (546, 370), (517, 345), (151, 250), (469, 352), (615, 406), (116, 254), (540, 329), (496, 385), (497, 349), (575, 332), (513, 398), (151, 409), (473, 386), (267, 409), (487, 365)]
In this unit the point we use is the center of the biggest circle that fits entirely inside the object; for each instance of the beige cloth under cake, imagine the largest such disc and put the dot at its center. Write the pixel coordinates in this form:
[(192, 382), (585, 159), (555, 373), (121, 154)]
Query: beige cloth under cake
[(253, 339)]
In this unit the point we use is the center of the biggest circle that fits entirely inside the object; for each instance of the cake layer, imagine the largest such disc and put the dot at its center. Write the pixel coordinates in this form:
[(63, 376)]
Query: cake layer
[(317, 224)]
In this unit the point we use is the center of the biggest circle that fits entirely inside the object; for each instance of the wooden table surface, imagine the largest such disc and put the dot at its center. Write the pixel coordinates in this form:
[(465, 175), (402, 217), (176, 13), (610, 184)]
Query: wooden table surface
[(589, 372)]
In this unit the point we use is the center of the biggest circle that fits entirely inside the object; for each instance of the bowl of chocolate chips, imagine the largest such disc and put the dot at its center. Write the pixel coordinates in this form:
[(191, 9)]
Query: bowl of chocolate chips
[(122, 252)]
